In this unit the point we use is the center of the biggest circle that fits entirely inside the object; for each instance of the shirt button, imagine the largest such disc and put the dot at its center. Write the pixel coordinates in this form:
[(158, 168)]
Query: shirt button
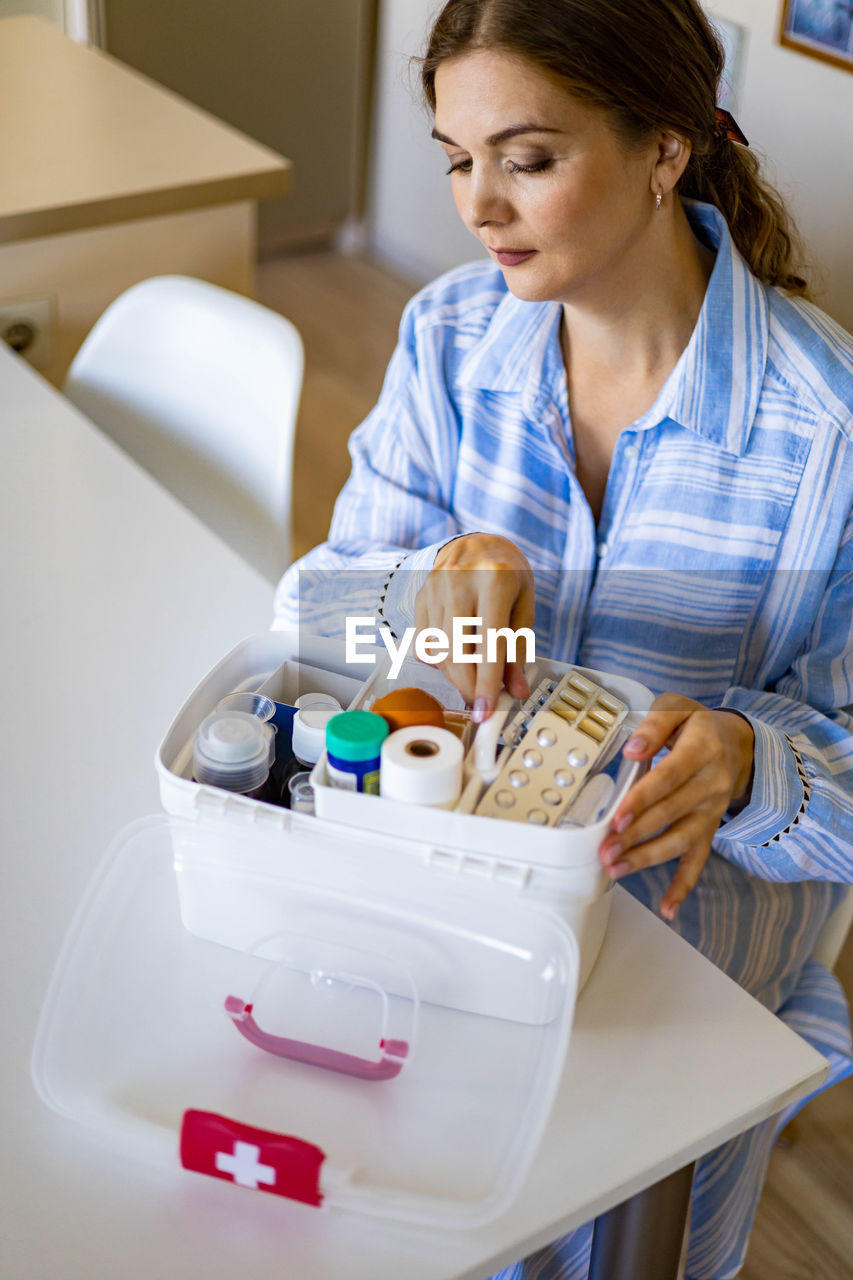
[(631, 452), (601, 550)]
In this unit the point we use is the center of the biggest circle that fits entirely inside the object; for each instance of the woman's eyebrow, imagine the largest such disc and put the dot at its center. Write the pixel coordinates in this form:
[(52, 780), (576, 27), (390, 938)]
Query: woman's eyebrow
[(497, 138)]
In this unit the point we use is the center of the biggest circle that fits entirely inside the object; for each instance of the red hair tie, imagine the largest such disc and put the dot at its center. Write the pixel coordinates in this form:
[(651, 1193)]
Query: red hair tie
[(727, 124)]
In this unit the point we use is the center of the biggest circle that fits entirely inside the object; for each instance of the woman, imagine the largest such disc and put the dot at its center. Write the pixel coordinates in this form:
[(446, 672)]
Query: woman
[(632, 423)]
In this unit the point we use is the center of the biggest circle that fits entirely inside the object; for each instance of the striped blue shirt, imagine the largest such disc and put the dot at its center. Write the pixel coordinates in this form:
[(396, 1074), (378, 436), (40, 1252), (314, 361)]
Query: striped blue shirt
[(721, 566), (722, 563)]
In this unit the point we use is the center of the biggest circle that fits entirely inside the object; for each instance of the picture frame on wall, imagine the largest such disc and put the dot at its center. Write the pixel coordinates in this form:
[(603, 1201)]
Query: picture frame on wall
[(821, 28)]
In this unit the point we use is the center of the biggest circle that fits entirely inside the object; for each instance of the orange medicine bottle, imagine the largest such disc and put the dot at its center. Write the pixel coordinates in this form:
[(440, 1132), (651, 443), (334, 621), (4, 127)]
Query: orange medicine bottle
[(404, 707)]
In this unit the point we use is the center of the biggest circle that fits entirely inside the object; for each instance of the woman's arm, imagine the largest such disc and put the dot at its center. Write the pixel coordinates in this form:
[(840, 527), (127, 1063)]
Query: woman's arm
[(799, 822), (394, 508), (782, 767)]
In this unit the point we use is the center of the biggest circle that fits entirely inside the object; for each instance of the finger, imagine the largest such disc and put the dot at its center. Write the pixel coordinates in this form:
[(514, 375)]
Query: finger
[(694, 797), (696, 752), (670, 789), (462, 675), (432, 612), (522, 616), (689, 836), (489, 682), (496, 607), (683, 882), (462, 678), (667, 714)]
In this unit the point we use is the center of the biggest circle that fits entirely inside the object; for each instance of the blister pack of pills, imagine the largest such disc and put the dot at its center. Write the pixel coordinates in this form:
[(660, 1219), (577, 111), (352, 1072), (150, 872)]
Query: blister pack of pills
[(553, 743)]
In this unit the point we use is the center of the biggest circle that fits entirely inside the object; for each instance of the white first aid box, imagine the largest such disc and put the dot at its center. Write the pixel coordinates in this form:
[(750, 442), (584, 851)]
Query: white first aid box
[(337, 1010)]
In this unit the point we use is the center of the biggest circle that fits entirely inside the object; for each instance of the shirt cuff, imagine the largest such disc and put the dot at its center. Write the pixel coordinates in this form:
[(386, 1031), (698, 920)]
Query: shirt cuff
[(406, 581), (778, 792)]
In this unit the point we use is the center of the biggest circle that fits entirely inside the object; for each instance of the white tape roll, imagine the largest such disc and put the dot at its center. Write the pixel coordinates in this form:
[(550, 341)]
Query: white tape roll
[(422, 765)]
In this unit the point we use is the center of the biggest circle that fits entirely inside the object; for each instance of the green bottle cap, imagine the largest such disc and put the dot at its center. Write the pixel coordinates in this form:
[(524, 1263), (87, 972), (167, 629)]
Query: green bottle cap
[(356, 735)]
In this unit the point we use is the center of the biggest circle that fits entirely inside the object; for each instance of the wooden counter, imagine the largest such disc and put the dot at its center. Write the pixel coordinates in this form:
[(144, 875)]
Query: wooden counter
[(107, 178), (86, 141)]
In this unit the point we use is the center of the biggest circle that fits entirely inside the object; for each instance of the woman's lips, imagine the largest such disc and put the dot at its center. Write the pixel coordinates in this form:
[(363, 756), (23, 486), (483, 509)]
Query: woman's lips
[(512, 257)]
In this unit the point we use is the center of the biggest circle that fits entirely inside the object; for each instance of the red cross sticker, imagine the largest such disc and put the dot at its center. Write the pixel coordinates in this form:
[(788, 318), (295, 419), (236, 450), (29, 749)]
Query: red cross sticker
[(249, 1157), (245, 1166)]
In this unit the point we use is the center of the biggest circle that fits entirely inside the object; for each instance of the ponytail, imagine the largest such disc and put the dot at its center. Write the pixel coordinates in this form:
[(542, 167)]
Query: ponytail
[(728, 175)]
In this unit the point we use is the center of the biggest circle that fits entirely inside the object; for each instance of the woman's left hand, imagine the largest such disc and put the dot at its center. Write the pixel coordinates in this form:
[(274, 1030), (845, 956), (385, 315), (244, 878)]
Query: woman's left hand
[(674, 810)]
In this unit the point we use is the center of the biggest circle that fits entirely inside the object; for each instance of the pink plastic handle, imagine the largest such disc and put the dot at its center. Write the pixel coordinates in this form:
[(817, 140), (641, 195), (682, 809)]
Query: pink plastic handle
[(388, 1066)]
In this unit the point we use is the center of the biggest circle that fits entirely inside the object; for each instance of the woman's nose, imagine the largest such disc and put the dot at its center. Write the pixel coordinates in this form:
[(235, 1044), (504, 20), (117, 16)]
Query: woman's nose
[(486, 202)]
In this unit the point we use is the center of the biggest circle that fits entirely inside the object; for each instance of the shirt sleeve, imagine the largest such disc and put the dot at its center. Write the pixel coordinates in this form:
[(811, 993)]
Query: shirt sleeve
[(798, 824), (393, 515)]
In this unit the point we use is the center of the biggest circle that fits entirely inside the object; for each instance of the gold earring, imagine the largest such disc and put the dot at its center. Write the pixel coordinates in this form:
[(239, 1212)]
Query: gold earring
[(658, 198)]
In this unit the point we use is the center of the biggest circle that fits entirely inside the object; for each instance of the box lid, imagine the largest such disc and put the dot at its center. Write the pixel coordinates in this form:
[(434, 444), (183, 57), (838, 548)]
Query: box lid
[(334, 1062)]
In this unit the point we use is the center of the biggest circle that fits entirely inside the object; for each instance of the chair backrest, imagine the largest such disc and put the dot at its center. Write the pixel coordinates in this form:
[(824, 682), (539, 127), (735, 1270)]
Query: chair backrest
[(835, 931), (201, 386)]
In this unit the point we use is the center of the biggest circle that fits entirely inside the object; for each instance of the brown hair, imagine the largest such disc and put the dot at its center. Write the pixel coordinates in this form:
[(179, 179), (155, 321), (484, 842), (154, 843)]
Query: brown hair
[(650, 64)]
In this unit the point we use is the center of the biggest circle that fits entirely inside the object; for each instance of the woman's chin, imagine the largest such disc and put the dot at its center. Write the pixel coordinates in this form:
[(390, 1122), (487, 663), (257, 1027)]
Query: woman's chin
[(527, 290)]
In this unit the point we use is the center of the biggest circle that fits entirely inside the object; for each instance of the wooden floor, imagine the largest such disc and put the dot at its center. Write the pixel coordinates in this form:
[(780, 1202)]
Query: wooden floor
[(347, 312)]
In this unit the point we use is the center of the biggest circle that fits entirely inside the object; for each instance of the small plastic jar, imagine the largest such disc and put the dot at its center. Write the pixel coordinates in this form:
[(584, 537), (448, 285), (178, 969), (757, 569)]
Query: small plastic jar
[(301, 793), (232, 750), (353, 748), (309, 739)]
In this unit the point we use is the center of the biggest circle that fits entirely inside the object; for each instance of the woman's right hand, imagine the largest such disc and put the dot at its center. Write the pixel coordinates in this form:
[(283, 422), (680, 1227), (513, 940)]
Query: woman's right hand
[(480, 575)]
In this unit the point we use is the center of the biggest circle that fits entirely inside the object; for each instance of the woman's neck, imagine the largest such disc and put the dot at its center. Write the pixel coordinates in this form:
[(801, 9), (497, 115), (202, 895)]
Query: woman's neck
[(634, 325)]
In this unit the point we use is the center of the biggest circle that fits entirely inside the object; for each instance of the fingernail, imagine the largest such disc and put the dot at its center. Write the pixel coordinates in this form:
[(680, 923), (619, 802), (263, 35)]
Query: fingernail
[(618, 869), (636, 745), (610, 851), (669, 910), (478, 714), (623, 823)]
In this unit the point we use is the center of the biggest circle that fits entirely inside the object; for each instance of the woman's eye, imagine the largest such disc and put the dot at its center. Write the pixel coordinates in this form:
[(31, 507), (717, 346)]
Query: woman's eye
[(512, 166), (537, 166)]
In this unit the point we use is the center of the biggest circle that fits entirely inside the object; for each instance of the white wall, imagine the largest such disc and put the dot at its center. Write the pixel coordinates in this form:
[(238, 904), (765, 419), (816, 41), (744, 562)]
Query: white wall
[(798, 112), (795, 110), (53, 10), (288, 73), (72, 15), (412, 221)]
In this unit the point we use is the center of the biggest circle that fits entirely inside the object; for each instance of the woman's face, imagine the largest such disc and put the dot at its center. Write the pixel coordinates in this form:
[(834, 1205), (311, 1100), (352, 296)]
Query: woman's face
[(540, 178)]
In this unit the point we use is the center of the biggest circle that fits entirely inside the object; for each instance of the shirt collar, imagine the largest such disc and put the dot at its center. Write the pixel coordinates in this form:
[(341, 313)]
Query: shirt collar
[(714, 388), (519, 351)]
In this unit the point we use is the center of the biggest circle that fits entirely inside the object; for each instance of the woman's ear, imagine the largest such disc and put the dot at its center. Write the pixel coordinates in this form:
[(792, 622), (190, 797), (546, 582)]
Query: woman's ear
[(673, 153)]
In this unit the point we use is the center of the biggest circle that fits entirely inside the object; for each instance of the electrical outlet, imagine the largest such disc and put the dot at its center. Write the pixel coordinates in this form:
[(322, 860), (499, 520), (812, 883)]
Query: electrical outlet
[(28, 327)]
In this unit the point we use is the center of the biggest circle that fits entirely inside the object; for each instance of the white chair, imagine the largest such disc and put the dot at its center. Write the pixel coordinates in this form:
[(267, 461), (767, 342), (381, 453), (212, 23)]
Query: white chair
[(835, 931), (201, 387)]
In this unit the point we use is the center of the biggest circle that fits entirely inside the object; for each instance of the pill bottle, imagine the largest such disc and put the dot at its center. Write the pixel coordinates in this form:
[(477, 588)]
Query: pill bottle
[(231, 750), (403, 707), (309, 739), (317, 700), (353, 746)]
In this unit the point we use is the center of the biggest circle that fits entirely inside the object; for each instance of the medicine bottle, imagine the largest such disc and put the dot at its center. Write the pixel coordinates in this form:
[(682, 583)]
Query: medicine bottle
[(402, 707), (309, 739), (353, 746)]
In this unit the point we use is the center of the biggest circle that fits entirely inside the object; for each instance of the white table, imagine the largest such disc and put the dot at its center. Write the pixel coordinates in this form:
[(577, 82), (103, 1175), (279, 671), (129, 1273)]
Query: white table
[(115, 602)]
